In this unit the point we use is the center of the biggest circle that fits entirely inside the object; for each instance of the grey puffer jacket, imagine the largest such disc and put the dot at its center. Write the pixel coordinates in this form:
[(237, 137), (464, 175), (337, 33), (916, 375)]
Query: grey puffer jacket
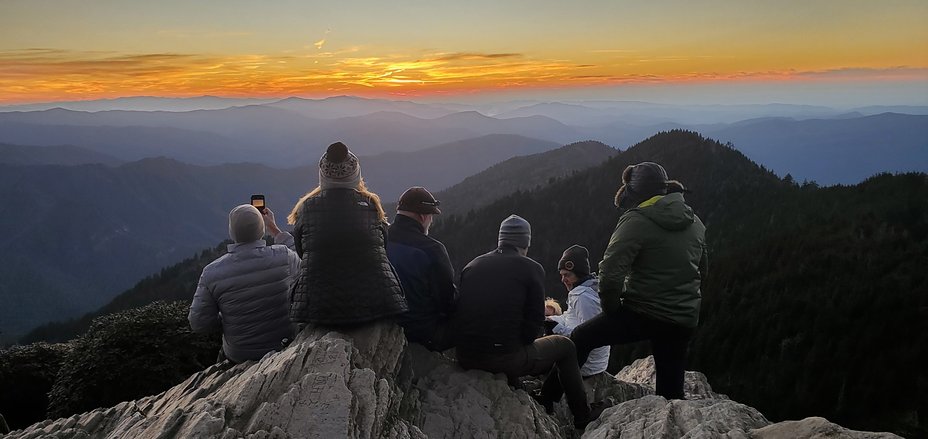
[(245, 293), (345, 276)]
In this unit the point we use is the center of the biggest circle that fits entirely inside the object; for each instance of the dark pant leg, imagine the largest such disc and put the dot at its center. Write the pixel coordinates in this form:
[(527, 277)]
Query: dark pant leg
[(558, 351), (441, 339), (669, 344), (603, 330)]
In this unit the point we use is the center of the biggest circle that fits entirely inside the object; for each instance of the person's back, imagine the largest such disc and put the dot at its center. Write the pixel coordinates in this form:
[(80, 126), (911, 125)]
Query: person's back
[(665, 278), (424, 268), (650, 276), (245, 292), (501, 305), (340, 233), (499, 320)]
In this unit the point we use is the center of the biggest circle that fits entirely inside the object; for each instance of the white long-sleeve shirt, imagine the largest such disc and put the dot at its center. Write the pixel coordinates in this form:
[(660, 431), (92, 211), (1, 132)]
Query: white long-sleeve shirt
[(582, 305)]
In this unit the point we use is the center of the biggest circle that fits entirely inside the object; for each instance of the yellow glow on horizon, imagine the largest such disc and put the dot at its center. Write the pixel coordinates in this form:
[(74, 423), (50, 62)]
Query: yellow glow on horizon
[(50, 75)]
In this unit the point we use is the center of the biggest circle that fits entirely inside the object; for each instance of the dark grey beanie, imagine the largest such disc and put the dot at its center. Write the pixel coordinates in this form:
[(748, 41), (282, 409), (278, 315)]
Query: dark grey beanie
[(515, 231)]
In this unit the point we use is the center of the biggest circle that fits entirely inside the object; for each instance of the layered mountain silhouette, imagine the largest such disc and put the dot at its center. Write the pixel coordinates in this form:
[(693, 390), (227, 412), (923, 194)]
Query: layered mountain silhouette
[(832, 151), (53, 155), (260, 134), (808, 142)]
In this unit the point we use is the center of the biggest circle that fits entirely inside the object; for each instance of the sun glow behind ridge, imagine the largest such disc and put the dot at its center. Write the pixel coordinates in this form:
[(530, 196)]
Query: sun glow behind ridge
[(482, 49)]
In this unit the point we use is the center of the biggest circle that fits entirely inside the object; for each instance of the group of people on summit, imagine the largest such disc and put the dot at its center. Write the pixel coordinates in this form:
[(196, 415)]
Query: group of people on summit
[(345, 264)]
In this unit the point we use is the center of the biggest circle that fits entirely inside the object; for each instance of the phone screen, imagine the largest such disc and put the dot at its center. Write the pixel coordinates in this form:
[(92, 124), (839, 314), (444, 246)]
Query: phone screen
[(258, 202)]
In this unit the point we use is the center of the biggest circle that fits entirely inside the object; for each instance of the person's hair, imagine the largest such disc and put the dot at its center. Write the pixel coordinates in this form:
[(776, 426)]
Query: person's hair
[(554, 305), (362, 189)]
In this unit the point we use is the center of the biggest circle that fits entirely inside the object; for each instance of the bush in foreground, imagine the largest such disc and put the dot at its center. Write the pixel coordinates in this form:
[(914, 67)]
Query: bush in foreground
[(129, 355)]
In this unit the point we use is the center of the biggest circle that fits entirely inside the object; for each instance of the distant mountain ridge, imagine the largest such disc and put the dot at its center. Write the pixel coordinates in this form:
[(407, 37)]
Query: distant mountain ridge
[(273, 136), (522, 174), (65, 155), (142, 103), (833, 151), (808, 142)]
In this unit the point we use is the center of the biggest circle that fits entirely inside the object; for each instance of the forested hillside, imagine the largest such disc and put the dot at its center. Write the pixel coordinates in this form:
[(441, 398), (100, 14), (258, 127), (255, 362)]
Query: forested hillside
[(815, 302), (522, 173)]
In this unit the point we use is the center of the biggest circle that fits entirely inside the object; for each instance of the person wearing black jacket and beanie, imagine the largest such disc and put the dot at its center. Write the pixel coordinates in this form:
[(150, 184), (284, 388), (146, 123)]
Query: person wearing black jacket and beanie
[(500, 316), (424, 268)]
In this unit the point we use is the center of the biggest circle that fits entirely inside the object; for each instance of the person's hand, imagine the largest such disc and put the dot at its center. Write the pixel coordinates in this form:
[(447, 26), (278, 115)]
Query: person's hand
[(270, 222)]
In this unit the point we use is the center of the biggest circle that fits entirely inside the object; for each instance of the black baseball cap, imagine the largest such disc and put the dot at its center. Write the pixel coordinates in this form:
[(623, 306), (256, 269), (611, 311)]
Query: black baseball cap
[(419, 200)]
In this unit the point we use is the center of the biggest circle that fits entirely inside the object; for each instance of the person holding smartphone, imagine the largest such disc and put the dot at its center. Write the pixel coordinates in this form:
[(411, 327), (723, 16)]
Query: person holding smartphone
[(244, 292)]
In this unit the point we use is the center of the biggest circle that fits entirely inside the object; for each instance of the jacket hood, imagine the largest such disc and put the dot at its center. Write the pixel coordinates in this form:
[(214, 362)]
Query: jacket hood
[(589, 287), (668, 211)]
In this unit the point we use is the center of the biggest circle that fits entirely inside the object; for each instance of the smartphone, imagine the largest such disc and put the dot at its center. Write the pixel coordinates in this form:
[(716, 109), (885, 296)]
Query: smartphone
[(258, 202)]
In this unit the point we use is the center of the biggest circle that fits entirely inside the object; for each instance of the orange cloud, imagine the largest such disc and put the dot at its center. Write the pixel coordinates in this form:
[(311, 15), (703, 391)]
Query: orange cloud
[(44, 74)]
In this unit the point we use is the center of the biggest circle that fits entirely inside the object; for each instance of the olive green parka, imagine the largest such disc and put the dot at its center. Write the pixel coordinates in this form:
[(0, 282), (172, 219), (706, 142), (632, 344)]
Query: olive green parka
[(656, 261)]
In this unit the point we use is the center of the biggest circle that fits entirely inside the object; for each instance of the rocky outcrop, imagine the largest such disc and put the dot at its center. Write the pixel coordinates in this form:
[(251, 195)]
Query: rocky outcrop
[(329, 384), (643, 372), (704, 414), (447, 402), (367, 383), (818, 428), (326, 384)]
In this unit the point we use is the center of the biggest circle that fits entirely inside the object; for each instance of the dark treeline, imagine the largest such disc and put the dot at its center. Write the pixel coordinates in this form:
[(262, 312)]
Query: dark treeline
[(815, 303)]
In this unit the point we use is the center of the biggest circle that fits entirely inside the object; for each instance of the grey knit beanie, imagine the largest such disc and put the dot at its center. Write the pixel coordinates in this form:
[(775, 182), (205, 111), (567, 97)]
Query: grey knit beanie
[(515, 231), (245, 224), (339, 168)]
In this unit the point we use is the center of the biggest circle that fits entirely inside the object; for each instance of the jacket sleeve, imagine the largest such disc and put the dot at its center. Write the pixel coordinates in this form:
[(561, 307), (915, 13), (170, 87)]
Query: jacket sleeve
[(204, 311), (586, 307), (442, 279), (617, 262), (533, 318), (284, 238), (561, 327)]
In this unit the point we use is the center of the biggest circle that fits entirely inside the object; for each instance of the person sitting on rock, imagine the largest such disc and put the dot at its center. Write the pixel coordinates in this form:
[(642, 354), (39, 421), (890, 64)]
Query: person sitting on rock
[(650, 276), (424, 268), (341, 230), (582, 303), (501, 313), (244, 292)]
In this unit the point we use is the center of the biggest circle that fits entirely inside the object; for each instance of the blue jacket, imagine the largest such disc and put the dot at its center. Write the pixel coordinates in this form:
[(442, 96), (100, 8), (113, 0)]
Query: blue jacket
[(424, 268)]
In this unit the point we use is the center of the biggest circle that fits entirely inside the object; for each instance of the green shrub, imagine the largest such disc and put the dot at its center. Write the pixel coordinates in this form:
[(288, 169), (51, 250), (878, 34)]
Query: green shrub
[(129, 355), (26, 375)]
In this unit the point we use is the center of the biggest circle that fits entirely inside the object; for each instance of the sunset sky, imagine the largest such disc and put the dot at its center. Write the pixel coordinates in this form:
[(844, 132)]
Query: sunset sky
[(848, 51)]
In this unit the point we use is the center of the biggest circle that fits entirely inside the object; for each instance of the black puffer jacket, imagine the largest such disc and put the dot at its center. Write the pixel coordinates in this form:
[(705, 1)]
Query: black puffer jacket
[(501, 306), (345, 277)]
